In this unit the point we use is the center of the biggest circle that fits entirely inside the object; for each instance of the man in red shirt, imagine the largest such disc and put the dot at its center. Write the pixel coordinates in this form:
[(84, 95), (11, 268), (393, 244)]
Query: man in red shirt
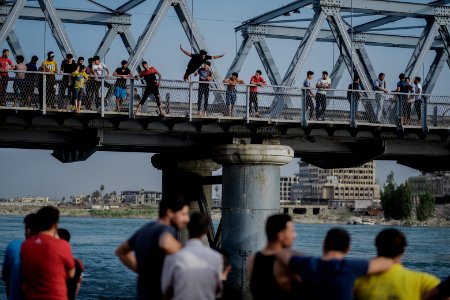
[(257, 80), (5, 62), (46, 260)]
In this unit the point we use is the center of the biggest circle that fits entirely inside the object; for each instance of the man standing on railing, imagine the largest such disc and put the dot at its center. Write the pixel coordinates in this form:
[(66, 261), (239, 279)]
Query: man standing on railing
[(205, 74), (68, 66), (379, 86), (50, 66), (418, 98), (308, 94), (152, 88), (197, 60), (256, 80), (5, 62), (120, 91), (231, 95), (321, 96)]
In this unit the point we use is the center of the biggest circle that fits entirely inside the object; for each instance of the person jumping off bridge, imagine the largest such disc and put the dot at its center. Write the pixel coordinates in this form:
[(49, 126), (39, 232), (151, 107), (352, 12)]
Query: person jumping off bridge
[(197, 60)]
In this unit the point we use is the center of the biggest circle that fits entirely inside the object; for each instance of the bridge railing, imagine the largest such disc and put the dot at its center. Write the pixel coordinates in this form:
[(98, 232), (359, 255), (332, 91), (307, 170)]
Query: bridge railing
[(110, 96)]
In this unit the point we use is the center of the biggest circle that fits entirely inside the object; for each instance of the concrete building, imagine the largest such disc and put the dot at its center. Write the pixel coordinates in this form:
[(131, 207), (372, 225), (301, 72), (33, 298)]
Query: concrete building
[(437, 184), (141, 197), (286, 183), (353, 188)]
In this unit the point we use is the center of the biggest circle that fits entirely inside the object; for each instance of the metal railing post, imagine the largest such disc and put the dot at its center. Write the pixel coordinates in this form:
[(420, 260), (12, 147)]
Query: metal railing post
[(247, 105), (303, 116), (190, 100), (44, 94), (353, 111), (102, 97), (131, 104), (424, 114), (399, 110)]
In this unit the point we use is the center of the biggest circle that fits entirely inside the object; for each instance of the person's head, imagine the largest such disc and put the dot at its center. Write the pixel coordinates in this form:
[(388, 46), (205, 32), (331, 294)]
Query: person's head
[(5, 53), (234, 75), (280, 228), (64, 234), (48, 218), (80, 60), (124, 64), (337, 239), (96, 60), (50, 55), (198, 225), (20, 59), (69, 56), (390, 243), (417, 80), (90, 61), (324, 74), (34, 59), (258, 73), (226, 263), (207, 64), (31, 225), (145, 65), (176, 211), (407, 79), (401, 76), (381, 76), (81, 68), (310, 74), (203, 53)]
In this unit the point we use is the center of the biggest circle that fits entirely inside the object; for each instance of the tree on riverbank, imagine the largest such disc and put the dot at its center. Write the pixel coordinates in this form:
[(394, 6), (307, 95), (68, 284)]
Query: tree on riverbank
[(396, 200), (425, 207)]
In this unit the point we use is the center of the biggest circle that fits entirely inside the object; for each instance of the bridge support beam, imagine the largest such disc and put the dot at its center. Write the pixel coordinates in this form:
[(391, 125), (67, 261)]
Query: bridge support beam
[(250, 193)]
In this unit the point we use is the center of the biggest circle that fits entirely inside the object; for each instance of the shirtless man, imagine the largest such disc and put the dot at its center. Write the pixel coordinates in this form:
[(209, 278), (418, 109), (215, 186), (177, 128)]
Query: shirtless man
[(231, 95)]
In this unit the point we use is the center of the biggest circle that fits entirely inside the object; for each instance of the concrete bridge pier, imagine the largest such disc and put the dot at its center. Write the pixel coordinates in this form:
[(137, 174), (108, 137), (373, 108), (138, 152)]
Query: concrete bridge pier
[(250, 193)]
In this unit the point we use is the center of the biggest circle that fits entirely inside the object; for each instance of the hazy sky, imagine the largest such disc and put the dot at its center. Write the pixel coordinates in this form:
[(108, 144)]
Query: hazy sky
[(35, 172)]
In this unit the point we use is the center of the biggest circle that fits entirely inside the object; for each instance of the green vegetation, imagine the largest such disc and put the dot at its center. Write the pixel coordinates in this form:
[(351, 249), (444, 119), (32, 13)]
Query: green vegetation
[(125, 213), (396, 200), (425, 208)]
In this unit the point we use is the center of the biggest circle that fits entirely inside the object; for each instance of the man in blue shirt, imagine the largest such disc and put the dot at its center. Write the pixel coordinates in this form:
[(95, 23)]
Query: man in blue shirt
[(11, 272), (332, 275)]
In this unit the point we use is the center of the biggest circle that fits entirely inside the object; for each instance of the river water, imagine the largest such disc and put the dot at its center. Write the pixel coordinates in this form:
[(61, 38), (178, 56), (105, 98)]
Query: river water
[(94, 242)]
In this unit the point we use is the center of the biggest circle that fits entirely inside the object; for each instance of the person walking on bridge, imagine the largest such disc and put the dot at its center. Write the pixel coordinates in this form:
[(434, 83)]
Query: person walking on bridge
[(149, 75), (144, 252), (197, 60)]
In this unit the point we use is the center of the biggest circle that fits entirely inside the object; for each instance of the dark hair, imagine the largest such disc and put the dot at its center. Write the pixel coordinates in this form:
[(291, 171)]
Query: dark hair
[(356, 78), (259, 72), (47, 217), (418, 78), (64, 234), (144, 63), (80, 58), (235, 74), (226, 258), (34, 58), (309, 73), (31, 223), (337, 239), (325, 72), (82, 67), (203, 52), (381, 74), (5, 50), (96, 58), (401, 76), (198, 225), (275, 224), (90, 60), (69, 55), (390, 243), (50, 53), (208, 63), (20, 59), (174, 204), (124, 62)]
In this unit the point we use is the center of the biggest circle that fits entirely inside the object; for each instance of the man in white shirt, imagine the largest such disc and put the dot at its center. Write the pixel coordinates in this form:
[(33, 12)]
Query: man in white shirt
[(418, 98), (194, 272), (321, 96), (379, 86), (100, 70)]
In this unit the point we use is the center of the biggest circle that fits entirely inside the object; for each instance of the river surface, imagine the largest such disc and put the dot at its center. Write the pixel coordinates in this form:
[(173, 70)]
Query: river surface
[(94, 242)]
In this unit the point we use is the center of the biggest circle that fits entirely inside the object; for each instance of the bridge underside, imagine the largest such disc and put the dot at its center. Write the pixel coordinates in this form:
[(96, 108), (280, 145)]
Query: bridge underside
[(322, 144)]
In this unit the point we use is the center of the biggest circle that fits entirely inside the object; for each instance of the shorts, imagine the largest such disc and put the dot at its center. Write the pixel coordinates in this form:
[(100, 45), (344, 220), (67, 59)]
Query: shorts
[(78, 93), (120, 93), (230, 97)]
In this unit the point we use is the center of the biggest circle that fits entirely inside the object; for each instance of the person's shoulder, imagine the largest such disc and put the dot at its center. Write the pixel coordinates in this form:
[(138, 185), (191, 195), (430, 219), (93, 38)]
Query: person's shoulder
[(14, 245)]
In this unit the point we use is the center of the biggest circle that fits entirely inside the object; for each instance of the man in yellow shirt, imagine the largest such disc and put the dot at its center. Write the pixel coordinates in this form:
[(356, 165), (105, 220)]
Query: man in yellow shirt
[(398, 283), (50, 67)]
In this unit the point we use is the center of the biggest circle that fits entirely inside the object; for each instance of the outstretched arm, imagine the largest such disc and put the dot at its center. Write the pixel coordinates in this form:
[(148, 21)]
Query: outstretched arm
[(185, 52), (217, 56)]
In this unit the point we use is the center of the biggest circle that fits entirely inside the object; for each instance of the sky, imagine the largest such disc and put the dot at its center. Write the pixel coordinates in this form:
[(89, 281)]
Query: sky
[(36, 173)]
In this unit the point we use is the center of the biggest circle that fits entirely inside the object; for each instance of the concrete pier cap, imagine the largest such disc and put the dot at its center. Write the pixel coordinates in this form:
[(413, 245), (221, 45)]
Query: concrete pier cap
[(250, 194)]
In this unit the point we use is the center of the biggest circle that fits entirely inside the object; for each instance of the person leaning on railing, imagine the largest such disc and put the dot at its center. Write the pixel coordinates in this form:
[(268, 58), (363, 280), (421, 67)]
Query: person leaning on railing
[(5, 65), (231, 94), (19, 81), (49, 66)]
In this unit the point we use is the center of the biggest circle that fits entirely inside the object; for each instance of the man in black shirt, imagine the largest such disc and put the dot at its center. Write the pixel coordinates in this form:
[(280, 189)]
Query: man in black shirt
[(197, 60), (149, 75), (120, 90), (68, 66)]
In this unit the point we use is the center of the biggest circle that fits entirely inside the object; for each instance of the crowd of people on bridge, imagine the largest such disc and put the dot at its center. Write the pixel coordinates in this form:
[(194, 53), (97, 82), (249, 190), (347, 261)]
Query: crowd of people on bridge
[(42, 266), (82, 84)]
